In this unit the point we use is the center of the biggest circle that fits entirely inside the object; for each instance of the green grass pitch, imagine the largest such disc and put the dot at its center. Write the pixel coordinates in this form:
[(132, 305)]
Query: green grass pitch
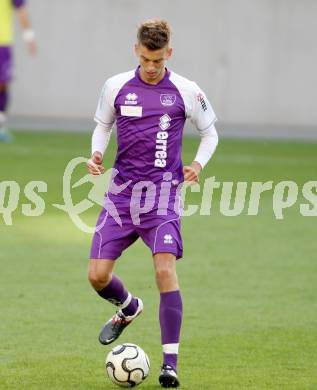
[(248, 283)]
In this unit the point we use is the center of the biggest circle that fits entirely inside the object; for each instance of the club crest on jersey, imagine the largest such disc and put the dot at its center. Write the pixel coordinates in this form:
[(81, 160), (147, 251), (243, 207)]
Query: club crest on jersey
[(167, 99), (131, 98)]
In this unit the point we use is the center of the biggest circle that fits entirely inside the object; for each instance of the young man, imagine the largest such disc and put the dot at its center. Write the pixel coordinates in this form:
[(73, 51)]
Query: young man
[(6, 40), (150, 106)]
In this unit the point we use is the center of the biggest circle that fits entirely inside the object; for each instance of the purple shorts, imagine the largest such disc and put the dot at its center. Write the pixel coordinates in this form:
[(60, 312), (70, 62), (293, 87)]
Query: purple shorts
[(6, 64), (161, 233)]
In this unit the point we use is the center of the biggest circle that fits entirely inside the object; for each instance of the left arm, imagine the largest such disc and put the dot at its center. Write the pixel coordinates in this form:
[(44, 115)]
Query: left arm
[(206, 149), (203, 118)]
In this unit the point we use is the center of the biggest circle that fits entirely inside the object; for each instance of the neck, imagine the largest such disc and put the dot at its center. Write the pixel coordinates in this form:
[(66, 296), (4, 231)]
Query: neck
[(152, 81)]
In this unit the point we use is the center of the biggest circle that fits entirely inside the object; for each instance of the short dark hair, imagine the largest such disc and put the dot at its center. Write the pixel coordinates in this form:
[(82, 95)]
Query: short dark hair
[(154, 34)]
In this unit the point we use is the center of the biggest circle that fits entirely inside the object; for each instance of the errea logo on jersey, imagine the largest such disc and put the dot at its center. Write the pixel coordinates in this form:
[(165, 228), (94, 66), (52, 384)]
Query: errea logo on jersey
[(165, 122), (161, 142), (131, 98), (168, 239)]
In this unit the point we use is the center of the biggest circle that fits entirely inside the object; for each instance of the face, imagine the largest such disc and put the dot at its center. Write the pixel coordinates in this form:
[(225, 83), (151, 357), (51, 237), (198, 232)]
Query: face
[(152, 62)]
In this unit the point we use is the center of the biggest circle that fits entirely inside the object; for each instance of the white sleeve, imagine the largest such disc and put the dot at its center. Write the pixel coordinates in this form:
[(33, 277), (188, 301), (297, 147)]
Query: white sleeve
[(100, 138), (202, 115), (105, 115), (105, 112), (207, 146)]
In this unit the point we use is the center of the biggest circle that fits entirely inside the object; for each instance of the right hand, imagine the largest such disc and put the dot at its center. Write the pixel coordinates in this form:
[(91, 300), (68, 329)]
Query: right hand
[(94, 164)]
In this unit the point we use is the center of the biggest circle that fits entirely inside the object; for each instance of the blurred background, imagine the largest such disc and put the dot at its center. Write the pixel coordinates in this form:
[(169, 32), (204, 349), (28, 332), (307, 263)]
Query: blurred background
[(255, 59)]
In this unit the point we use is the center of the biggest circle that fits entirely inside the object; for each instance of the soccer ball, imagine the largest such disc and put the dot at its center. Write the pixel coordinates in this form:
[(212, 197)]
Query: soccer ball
[(127, 365)]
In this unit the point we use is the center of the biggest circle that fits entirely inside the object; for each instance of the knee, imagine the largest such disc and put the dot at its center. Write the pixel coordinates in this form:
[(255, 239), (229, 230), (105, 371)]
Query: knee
[(165, 273), (98, 280)]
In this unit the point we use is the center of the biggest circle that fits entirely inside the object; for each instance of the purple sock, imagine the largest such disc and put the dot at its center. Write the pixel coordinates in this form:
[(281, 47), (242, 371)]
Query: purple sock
[(3, 100), (132, 307), (116, 293), (171, 360), (171, 312)]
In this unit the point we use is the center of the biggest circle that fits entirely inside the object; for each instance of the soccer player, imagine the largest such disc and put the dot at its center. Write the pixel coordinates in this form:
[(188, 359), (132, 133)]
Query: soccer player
[(150, 106), (6, 40)]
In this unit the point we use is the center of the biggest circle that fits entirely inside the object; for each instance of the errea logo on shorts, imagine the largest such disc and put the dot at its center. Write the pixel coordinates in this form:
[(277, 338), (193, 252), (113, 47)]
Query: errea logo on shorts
[(168, 239), (161, 141)]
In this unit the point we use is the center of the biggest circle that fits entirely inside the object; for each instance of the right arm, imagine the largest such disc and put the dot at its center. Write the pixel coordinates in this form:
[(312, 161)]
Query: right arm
[(99, 142), (105, 118)]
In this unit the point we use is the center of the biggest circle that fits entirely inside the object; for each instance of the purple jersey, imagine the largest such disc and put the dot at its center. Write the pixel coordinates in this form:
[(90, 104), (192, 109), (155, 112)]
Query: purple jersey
[(150, 121)]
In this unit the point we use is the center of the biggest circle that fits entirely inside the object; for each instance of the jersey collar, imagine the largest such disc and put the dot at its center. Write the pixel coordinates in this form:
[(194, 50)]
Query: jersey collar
[(166, 77)]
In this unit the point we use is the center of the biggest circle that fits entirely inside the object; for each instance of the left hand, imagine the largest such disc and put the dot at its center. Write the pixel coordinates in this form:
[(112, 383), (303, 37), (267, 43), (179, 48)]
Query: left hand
[(192, 171)]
